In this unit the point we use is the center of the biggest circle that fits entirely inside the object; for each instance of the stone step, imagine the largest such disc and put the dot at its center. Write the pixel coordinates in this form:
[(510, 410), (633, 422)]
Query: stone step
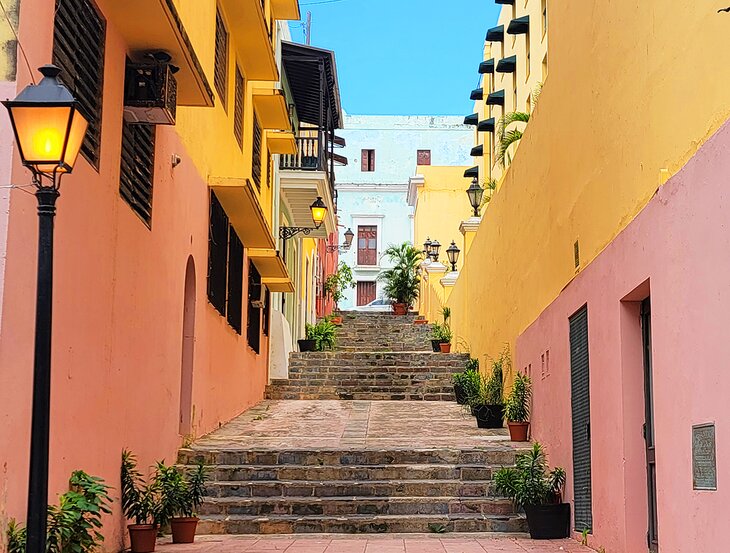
[(360, 524), (496, 455), (339, 506), (348, 394), (231, 473)]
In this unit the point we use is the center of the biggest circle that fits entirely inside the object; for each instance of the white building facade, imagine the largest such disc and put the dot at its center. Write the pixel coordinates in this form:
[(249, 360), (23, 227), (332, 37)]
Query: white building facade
[(383, 152)]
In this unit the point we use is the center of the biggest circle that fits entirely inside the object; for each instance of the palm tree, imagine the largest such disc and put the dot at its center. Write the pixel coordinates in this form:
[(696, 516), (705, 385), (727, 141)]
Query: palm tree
[(507, 137), (490, 187), (402, 281)]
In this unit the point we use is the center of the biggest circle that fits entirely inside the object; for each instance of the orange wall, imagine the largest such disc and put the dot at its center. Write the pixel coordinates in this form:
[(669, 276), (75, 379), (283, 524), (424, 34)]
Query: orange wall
[(118, 310)]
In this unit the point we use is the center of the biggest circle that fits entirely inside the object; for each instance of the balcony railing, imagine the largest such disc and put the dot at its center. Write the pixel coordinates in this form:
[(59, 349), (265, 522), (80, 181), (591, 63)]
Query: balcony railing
[(311, 156)]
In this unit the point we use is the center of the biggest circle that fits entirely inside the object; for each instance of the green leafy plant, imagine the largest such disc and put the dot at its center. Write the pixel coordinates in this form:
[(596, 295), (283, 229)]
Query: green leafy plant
[(442, 331), (472, 365), (74, 525), (339, 281), (402, 281), (490, 187), (507, 136), (324, 334), (584, 536), (182, 492), (489, 389), (517, 407), (529, 483), (141, 501)]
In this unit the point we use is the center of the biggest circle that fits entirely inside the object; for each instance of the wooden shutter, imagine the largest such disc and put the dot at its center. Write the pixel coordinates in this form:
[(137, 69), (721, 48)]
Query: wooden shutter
[(253, 330), (217, 255), (364, 163), (220, 76), (235, 281), (367, 245), (256, 157), (79, 37), (238, 107), (136, 175), (581, 409), (365, 292)]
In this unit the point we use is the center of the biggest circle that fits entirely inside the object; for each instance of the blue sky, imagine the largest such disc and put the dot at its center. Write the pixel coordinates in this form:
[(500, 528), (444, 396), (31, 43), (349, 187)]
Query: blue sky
[(402, 57)]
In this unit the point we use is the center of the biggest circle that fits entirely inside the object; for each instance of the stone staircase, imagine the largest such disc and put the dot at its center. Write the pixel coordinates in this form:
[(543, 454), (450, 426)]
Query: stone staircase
[(355, 492), (354, 453)]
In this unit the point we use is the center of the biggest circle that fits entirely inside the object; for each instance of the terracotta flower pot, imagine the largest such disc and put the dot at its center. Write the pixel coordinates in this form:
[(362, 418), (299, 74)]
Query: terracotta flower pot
[(336, 321), (400, 308), (518, 431), (183, 529), (143, 537), (420, 322), (445, 347)]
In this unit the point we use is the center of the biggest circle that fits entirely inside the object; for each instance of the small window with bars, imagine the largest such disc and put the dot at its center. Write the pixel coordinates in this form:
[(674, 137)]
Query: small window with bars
[(367, 161), (253, 330), (137, 171), (423, 157), (235, 280), (79, 37), (238, 107), (221, 58), (256, 157)]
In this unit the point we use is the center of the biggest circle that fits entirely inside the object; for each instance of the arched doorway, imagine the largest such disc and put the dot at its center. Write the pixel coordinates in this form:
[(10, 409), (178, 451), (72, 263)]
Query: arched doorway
[(188, 351)]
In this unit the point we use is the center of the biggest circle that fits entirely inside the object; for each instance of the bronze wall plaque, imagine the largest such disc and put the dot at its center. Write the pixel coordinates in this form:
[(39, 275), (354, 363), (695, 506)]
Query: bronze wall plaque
[(704, 460)]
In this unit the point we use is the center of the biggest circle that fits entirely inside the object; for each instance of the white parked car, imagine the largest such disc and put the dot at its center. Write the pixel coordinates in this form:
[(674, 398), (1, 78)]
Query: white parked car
[(381, 304)]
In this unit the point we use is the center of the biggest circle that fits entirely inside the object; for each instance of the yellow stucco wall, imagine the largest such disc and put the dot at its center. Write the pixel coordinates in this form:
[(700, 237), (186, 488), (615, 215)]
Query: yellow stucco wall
[(626, 105)]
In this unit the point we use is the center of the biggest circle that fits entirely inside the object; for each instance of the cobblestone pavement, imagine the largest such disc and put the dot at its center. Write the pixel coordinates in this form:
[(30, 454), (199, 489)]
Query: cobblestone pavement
[(428, 543), (324, 424)]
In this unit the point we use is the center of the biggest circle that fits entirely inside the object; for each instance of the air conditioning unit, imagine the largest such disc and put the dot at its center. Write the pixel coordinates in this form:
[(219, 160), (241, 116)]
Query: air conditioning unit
[(150, 91), (257, 295)]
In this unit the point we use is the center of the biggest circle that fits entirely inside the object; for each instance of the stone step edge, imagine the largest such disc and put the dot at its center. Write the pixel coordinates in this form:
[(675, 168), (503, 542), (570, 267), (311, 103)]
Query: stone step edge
[(376, 466), (396, 481), (357, 518)]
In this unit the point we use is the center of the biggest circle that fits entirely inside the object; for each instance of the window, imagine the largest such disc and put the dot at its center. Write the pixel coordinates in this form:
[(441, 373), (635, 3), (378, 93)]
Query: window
[(79, 36), (225, 266), (514, 91), (544, 68), (256, 157), (136, 175), (365, 292), (544, 18), (527, 49), (267, 313), (253, 330), (424, 157), (238, 107), (367, 245), (367, 161), (221, 58)]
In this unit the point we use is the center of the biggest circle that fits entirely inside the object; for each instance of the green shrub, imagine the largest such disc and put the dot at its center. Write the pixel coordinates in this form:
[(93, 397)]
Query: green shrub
[(529, 483), (339, 281), (181, 491), (141, 501), (324, 333), (402, 282), (517, 408)]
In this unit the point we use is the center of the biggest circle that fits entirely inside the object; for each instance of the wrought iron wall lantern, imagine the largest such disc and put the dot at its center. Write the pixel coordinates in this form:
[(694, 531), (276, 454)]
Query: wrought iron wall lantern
[(475, 193), (349, 235), (319, 213), (453, 252), (434, 250)]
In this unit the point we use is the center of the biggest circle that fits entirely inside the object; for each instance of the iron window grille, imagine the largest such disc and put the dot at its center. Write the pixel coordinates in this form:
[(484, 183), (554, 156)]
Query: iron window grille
[(257, 151), (137, 171), (253, 330), (79, 36)]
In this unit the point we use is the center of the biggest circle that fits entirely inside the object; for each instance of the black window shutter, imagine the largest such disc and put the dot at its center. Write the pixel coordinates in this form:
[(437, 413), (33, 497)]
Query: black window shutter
[(235, 281), (253, 330), (217, 255), (79, 36), (581, 410), (257, 147), (220, 70), (267, 314), (136, 176), (238, 107)]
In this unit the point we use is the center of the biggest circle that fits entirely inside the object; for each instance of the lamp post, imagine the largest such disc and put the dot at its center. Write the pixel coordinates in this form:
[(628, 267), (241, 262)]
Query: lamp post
[(475, 193), (49, 130), (453, 253), (319, 214), (435, 247), (427, 248)]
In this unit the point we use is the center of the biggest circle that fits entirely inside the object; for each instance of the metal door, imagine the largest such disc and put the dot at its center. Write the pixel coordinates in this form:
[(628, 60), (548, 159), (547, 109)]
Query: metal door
[(581, 408)]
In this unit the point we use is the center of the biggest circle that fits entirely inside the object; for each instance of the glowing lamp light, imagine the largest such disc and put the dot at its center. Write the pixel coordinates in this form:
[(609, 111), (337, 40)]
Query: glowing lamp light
[(48, 126), (319, 212)]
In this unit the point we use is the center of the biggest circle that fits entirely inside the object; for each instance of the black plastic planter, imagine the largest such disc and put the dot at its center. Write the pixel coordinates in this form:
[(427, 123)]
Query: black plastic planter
[(307, 345), (436, 345), (549, 522), (461, 395), (489, 416)]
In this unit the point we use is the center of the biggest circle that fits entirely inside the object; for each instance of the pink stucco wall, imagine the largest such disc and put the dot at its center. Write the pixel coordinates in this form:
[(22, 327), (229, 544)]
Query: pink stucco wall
[(678, 251), (118, 310)]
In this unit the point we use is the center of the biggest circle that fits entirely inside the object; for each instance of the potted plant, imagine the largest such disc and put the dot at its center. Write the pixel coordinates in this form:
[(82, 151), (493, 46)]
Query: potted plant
[(436, 332), (445, 339), (309, 343), (486, 398), (538, 492), (517, 408), (461, 381), (402, 281), (324, 334), (141, 502), (335, 286), (182, 493)]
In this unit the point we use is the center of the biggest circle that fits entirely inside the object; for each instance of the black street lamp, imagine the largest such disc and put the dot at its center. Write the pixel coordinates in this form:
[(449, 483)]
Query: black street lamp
[(49, 130), (475, 193), (427, 248), (349, 235), (453, 253), (435, 247), (319, 214)]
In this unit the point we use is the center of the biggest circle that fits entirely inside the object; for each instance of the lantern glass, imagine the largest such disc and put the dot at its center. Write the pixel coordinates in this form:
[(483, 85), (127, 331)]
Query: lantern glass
[(49, 137), (475, 193), (349, 236), (435, 247), (319, 212), (453, 252)]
